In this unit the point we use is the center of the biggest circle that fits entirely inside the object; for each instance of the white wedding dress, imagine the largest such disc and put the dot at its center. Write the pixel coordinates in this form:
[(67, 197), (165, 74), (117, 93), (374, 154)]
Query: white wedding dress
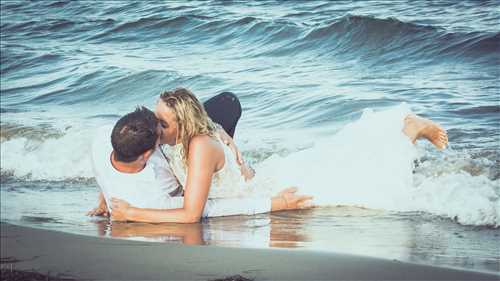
[(359, 165)]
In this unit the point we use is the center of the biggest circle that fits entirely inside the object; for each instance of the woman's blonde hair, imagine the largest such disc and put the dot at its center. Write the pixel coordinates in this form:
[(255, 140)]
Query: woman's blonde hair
[(191, 117)]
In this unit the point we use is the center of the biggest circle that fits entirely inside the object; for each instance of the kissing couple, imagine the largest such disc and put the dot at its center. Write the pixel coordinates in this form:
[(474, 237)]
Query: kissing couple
[(180, 163)]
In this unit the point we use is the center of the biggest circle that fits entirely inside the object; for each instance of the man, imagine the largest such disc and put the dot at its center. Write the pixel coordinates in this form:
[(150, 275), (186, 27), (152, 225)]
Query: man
[(133, 169)]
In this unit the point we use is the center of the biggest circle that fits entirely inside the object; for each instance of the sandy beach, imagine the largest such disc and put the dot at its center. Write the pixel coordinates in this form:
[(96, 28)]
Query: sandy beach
[(83, 257)]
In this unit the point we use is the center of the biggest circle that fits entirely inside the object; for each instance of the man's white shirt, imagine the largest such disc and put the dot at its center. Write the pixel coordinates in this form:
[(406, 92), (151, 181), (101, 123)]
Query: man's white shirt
[(151, 187)]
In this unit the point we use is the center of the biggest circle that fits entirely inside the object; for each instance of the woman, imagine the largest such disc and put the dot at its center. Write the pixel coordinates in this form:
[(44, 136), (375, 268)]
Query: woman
[(207, 168)]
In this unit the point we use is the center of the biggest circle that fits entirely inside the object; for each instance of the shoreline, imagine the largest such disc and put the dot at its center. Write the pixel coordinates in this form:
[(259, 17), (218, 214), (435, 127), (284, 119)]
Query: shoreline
[(97, 258)]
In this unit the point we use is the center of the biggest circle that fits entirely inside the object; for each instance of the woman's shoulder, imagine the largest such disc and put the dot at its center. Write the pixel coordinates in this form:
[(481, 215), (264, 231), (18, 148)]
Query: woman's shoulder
[(204, 140), (206, 149), (205, 143)]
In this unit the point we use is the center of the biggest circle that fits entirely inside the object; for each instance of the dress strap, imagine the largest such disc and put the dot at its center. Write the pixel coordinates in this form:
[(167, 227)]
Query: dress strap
[(179, 191)]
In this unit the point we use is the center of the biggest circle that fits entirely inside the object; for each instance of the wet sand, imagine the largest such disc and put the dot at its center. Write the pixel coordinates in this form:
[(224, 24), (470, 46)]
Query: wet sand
[(83, 257)]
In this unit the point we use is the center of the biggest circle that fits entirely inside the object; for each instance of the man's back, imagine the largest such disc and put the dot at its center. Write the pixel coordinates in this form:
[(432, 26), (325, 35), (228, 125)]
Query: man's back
[(148, 188)]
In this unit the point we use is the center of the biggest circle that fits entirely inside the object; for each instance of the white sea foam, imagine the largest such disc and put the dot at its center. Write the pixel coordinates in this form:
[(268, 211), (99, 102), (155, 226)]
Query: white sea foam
[(471, 200), (62, 158)]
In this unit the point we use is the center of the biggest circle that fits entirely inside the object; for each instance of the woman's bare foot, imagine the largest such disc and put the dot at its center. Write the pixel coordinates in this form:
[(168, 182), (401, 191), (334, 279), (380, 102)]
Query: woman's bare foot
[(417, 127)]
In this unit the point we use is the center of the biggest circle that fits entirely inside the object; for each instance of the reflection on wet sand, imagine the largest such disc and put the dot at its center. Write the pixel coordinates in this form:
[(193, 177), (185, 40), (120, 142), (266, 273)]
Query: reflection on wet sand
[(407, 237), (189, 234), (289, 229), (282, 230)]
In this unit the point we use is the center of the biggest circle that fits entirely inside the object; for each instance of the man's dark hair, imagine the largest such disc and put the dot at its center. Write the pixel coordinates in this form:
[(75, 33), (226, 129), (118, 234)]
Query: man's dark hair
[(134, 134)]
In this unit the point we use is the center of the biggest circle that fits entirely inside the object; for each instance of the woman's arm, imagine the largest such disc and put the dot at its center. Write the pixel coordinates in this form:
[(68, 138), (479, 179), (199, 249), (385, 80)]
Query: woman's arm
[(205, 155), (246, 171), (285, 200)]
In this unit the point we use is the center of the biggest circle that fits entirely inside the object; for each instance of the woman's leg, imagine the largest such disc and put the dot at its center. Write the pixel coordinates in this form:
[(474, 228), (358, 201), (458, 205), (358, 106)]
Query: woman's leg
[(417, 127), (224, 109)]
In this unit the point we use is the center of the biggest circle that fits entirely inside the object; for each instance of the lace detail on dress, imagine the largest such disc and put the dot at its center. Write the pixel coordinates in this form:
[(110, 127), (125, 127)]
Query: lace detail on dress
[(174, 158), (227, 182)]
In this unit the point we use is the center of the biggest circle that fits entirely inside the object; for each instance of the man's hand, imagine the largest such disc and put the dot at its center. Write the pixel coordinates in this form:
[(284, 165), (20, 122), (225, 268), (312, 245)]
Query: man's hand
[(288, 200), (101, 209), (119, 209)]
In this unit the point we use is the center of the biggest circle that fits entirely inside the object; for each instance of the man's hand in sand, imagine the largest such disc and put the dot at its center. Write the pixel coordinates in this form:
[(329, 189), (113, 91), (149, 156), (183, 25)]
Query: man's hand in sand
[(289, 200), (101, 209), (119, 209)]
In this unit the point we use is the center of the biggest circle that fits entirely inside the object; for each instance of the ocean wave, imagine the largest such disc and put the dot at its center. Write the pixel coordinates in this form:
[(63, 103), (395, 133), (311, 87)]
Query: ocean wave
[(58, 4), (350, 36), (373, 39), (35, 27), (96, 87), (383, 41), (23, 89), (150, 28), (27, 60), (475, 46), (56, 28), (478, 110)]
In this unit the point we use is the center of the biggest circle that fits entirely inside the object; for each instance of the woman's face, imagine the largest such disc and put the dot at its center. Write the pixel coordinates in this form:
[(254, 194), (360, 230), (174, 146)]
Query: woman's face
[(168, 124)]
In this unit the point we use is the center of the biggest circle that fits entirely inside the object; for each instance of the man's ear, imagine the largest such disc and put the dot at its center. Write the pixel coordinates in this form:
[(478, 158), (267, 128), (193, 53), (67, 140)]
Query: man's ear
[(145, 156)]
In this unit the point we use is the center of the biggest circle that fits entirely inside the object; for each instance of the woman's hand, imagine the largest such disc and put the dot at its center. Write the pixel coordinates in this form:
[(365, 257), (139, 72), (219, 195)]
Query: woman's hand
[(247, 172), (288, 200), (119, 209), (230, 142)]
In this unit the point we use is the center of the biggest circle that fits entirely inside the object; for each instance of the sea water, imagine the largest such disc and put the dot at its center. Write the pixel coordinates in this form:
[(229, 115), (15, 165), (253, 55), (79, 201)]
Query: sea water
[(306, 73)]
